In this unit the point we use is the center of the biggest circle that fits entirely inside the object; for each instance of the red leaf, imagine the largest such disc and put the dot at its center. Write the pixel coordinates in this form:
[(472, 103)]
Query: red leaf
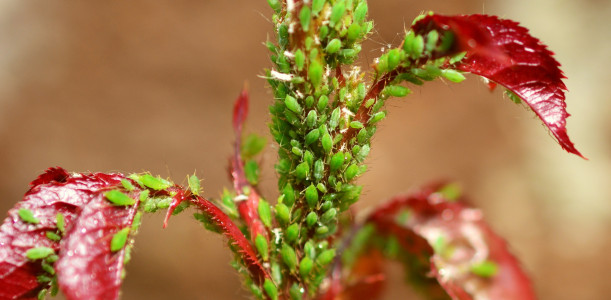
[(230, 230), (462, 244), (51, 193), (504, 52)]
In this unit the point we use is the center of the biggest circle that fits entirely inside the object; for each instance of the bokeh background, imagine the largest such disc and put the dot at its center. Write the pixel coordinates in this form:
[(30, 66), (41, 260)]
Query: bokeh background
[(132, 86)]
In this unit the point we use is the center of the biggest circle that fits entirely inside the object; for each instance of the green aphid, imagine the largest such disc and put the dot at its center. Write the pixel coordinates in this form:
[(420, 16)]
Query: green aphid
[(251, 171), (333, 46), (308, 249), (292, 118), (396, 91), (311, 219), (312, 136), (127, 185), (321, 187), (302, 171), (382, 65), (42, 294), (337, 161), (118, 198), (431, 41), (308, 157), (276, 5), (377, 117), (327, 142), (265, 213), (297, 151), (326, 257), (317, 6), (337, 12), (334, 120), (270, 289), (292, 104), (315, 73), (254, 288), (351, 172), (354, 31), (322, 230), (276, 273), (311, 119), (137, 222), (447, 41), (53, 236), (144, 196), (485, 269), (299, 59), (308, 44), (305, 16), (363, 152), (394, 59), (296, 292), (60, 223), (47, 267), (283, 36), (292, 233), (328, 216), (458, 57), (194, 185), (305, 267), (119, 239), (252, 145), (323, 101), (323, 32), (319, 169), (356, 125), (27, 216), (360, 13), (453, 75), (262, 247), (39, 253), (155, 183), (43, 278), (309, 101), (289, 195), (413, 45), (283, 214), (283, 166), (289, 257), (311, 196), (513, 97)]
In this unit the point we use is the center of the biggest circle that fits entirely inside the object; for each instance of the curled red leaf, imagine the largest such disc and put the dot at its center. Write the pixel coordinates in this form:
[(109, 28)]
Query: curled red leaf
[(73, 196), (504, 52), (466, 257)]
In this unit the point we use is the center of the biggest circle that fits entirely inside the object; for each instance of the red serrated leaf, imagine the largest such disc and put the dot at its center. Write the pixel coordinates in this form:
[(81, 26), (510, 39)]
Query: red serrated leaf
[(229, 229), (51, 193), (504, 52), (461, 240), (87, 268)]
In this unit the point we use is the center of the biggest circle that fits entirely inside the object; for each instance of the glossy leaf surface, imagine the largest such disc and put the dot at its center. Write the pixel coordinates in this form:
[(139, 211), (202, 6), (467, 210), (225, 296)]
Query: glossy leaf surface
[(505, 53)]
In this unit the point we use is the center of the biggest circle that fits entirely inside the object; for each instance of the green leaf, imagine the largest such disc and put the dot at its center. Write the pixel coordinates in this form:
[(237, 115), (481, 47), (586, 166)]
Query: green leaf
[(119, 239), (27, 216)]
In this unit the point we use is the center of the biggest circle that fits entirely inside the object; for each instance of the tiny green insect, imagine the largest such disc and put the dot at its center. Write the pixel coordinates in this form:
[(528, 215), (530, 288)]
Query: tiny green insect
[(305, 267), (311, 118), (351, 172), (312, 136), (337, 12), (53, 236), (311, 196), (39, 253), (27, 216), (299, 59), (394, 59), (317, 6), (118, 198), (323, 101), (283, 214), (292, 104), (194, 185), (311, 219), (270, 289), (315, 73), (485, 269), (119, 239), (262, 246), (265, 213), (305, 16), (327, 142), (333, 46), (325, 257), (289, 257), (453, 75), (155, 183), (292, 233), (302, 170), (60, 222), (337, 160), (127, 185), (360, 13)]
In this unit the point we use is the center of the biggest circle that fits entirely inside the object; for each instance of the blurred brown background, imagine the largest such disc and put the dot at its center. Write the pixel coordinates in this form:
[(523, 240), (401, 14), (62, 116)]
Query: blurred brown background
[(148, 85)]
